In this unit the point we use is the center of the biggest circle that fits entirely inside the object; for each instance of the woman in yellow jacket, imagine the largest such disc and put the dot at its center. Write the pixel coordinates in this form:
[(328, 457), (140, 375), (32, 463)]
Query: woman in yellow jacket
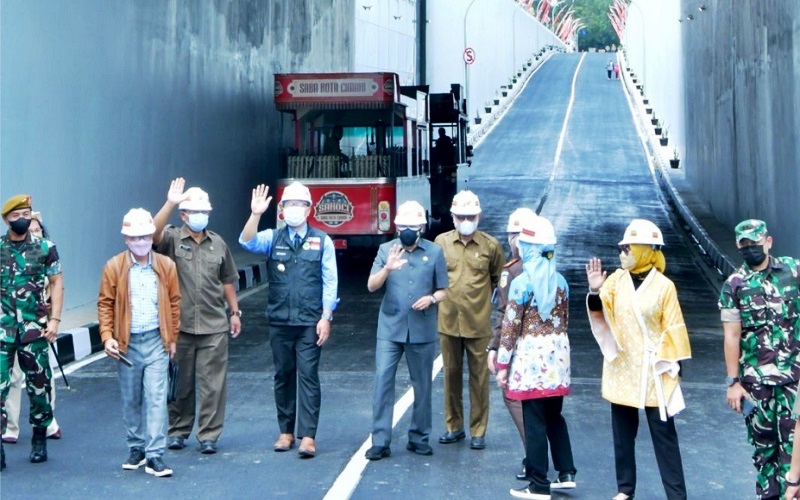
[(637, 321)]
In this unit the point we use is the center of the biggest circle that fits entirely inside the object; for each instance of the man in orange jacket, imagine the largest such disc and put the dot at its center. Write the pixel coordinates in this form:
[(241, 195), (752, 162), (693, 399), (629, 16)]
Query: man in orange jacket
[(139, 314)]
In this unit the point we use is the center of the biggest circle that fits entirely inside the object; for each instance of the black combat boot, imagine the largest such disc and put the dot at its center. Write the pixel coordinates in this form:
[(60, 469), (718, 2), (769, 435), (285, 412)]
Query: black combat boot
[(2, 457), (39, 445)]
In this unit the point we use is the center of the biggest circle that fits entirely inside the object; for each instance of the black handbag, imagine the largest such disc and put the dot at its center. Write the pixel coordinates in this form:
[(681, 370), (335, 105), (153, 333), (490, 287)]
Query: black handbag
[(172, 387)]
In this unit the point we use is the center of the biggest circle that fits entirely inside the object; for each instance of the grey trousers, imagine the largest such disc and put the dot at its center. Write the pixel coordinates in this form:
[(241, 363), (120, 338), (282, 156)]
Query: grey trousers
[(420, 365)]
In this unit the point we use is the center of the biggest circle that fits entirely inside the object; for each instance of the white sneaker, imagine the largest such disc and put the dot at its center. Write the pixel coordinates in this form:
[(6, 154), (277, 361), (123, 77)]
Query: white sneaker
[(566, 481), (531, 492)]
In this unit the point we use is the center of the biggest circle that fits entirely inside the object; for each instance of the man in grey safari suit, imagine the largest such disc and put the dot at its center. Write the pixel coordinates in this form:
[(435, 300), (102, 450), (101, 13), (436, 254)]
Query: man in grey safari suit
[(414, 272)]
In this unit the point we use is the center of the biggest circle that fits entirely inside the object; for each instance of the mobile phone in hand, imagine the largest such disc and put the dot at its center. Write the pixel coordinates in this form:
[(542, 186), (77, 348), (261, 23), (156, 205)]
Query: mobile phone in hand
[(125, 361), (748, 406)]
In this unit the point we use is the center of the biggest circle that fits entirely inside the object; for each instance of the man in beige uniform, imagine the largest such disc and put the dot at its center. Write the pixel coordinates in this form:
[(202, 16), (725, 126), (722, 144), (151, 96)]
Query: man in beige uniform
[(206, 272), (474, 263)]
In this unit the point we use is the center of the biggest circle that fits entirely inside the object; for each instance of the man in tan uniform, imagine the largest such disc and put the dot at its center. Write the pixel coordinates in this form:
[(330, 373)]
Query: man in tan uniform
[(474, 263)]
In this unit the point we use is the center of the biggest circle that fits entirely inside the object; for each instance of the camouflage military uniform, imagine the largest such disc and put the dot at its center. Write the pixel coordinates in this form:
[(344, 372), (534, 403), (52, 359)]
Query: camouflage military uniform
[(768, 305), (23, 317)]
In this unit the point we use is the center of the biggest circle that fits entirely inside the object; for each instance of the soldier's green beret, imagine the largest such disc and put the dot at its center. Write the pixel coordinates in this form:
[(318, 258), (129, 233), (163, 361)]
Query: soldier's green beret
[(750, 229), (17, 202)]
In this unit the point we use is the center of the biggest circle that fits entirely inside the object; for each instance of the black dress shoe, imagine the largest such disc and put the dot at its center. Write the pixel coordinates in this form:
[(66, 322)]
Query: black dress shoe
[(208, 447), (478, 443), (420, 448), (452, 437), (175, 443), (377, 452)]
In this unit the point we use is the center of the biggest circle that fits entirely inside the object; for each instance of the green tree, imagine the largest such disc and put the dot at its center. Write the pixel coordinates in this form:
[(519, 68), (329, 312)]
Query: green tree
[(594, 14)]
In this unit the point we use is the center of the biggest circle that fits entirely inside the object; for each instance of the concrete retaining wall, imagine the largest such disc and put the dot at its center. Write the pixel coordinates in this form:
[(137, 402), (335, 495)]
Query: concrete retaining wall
[(727, 82), (742, 67), (104, 101), (502, 35)]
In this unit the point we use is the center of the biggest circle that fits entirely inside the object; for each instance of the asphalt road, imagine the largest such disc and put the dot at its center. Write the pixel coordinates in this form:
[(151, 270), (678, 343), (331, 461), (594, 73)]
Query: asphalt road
[(590, 181)]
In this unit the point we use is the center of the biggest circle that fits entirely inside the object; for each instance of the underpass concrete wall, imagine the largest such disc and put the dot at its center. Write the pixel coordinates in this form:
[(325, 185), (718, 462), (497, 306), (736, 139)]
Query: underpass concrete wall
[(502, 35), (742, 99), (654, 50), (725, 77), (105, 101)]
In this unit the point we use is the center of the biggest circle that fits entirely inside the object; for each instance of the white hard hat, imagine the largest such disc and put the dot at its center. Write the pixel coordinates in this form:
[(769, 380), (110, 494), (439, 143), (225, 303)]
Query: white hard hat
[(642, 232), (465, 203), (410, 213), (537, 230), (517, 217), (296, 191), (138, 222), (196, 199)]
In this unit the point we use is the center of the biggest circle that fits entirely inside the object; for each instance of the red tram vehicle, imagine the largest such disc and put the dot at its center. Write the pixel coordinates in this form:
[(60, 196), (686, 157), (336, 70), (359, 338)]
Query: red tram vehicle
[(363, 144)]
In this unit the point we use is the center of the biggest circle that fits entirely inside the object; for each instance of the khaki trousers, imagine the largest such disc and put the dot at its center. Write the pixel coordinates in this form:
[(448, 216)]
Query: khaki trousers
[(453, 349), (202, 376)]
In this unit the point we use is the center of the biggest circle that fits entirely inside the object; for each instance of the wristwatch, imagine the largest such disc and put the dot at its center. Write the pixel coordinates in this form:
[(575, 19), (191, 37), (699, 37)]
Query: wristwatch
[(434, 299), (327, 316), (729, 381), (235, 313)]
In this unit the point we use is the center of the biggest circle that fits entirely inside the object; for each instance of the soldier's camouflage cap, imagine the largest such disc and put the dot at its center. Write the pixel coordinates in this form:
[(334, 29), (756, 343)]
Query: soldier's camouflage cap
[(16, 203), (750, 229)]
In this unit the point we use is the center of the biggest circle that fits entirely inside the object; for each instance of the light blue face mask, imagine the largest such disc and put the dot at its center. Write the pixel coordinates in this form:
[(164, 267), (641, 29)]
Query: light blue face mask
[(197, 222)]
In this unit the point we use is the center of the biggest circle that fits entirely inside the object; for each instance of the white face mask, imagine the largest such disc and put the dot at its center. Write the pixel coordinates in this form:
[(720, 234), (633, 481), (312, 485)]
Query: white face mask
[(467, 227), (627, 261), (294, 216), (197, 222), (140, 248)]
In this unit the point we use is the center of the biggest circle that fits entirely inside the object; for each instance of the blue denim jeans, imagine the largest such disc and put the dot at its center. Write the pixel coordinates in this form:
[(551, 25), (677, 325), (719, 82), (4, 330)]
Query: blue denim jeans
[(144, 387)]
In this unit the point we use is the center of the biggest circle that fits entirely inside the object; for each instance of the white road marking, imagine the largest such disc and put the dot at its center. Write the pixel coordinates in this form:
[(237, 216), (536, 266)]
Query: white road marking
[(563, 134), (349, 478)]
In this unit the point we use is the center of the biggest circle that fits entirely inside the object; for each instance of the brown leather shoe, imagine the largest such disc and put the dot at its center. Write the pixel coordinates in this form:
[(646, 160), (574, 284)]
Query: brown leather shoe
[(285, 442), (308, 449)]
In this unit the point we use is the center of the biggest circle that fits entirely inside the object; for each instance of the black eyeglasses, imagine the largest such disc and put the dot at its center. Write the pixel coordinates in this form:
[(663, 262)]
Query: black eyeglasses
[(625, 248), (465, 217)]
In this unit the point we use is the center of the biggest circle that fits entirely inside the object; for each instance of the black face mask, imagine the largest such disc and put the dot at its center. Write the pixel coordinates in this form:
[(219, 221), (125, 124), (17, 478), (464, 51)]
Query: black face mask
[(408, 237), (20, 226), (753, 255)]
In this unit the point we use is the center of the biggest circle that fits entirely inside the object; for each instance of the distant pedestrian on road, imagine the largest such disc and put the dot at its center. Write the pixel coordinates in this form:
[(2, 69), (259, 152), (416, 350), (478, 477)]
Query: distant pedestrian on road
[(637, 321), (301, 265), (14, 399), (609, 68), (474, 264), (413, 273), (616, 70), (138, 309), (27, 326), (759, 306), (207, 273), (511, 270), (533, 361)]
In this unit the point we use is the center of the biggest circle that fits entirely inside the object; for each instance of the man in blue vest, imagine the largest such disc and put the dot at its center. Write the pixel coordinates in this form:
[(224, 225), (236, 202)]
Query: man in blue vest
[(301, 265)]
